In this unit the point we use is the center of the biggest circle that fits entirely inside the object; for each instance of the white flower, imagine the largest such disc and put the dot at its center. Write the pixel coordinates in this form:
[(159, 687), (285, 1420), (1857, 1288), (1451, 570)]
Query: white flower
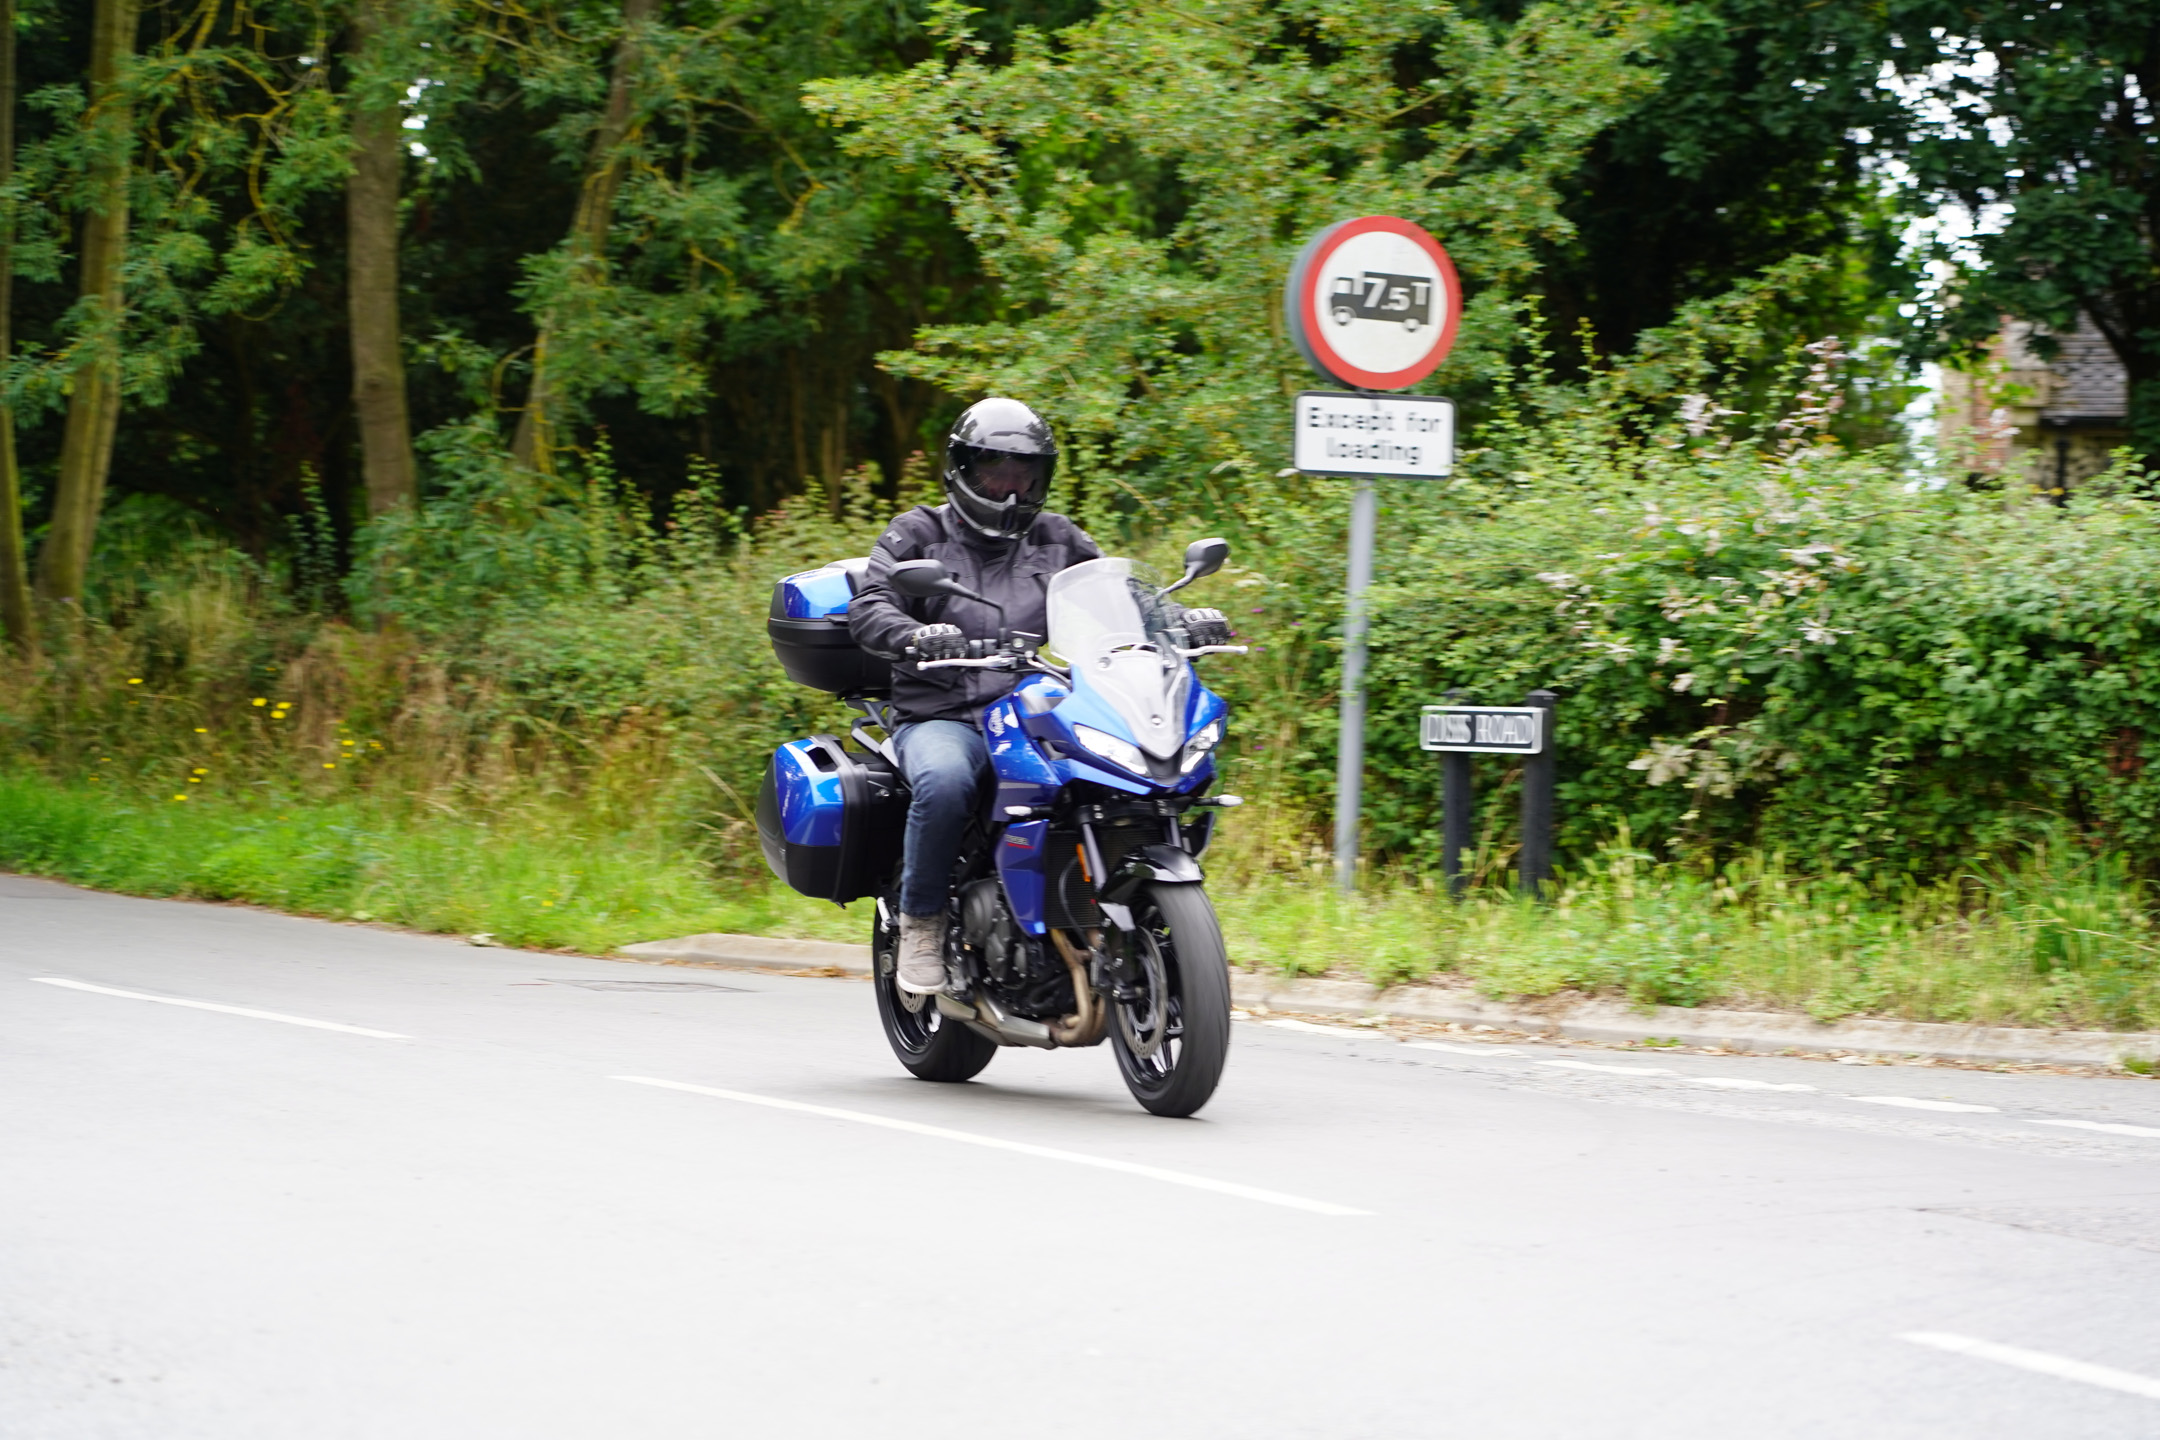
[(1684, 682), (1669, 647)]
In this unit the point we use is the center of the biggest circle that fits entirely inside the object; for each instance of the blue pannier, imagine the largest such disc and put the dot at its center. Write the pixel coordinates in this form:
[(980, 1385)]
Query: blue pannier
[(831, 820)]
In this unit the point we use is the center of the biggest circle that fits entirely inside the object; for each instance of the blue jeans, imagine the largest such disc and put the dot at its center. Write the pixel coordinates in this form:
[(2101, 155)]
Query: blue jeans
[(944, 761)]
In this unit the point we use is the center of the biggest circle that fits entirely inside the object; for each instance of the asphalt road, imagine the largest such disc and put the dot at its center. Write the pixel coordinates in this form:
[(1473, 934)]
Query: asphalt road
[(216, 1223)]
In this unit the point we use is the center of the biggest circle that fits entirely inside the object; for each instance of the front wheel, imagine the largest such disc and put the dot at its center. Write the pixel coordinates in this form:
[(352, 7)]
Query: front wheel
[(1173, 1037), (931, 1044)]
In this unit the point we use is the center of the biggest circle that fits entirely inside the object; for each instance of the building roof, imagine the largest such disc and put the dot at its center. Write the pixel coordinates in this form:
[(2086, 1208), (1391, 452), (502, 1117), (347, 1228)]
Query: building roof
[(2085, 382)]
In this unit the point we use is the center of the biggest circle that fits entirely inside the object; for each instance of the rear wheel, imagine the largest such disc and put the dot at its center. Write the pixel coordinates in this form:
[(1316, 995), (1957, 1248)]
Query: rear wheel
[(931, 1044), (1171, 1041)]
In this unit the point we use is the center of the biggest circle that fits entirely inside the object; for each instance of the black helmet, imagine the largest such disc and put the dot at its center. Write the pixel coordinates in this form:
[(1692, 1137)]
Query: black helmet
[(998, 462)]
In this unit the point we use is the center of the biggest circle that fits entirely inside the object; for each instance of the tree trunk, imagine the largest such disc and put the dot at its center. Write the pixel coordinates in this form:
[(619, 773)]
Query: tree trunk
[(534, 444), (94, 406), (15, 619), (371, 259)]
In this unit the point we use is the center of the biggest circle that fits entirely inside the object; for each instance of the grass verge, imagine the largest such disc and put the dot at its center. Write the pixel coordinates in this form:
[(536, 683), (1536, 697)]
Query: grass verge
[(534, 878), (2061, 938)]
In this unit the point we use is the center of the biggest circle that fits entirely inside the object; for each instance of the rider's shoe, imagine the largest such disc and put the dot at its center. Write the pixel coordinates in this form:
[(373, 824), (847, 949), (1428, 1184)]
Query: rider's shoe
[(922, 954)]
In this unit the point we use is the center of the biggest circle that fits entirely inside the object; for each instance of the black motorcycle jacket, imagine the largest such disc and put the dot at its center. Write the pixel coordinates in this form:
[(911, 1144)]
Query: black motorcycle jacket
[(1014, 573)]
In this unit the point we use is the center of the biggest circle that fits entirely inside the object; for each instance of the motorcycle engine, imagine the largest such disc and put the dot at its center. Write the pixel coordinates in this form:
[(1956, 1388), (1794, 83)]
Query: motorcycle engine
[(988, 928), (1016, 964)]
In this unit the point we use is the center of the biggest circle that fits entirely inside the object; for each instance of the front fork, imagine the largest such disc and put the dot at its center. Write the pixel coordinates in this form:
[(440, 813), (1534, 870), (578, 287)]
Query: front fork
[(1114, 968)]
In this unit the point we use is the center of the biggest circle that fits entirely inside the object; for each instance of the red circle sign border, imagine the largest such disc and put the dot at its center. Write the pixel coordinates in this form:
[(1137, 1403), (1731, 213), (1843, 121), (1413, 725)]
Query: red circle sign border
[(1308, 314)]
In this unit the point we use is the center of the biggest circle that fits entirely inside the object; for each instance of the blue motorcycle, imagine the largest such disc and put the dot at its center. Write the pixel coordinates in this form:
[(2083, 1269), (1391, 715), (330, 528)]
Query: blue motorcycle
[(1077, 911)]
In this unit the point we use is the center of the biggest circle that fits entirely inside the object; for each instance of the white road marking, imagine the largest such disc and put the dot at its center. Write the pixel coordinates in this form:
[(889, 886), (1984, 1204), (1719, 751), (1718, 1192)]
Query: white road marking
[(221, 1009), (2103, 1127), (1731, 1082), (1906, 1102), (1311, 1029), (1607, 1069), (1461, 1049), (1018, 1147), (2039, 1361)]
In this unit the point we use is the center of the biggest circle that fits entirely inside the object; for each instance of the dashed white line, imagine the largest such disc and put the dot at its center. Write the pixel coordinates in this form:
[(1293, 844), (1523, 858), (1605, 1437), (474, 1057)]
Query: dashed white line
[(1340, 1032), (2040, 1362), (2104, 1127), (220, 1009), (1460, 1049), (1732, 1082), (1605, 1069), (1907, 1102), (1018, 1147)]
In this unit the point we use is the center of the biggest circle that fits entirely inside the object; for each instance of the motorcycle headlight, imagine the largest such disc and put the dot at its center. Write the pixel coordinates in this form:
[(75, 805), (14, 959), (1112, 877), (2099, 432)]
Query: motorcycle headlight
[(1196, 749), (1122, 753)]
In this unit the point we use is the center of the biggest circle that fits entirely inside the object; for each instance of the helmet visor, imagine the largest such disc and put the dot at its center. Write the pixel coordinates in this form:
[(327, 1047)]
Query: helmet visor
[(999, 475)]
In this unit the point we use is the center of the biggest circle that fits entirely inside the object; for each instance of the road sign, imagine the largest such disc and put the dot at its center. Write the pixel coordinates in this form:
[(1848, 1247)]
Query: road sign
[(1373, 303), (1410, 436), (1483, 729)]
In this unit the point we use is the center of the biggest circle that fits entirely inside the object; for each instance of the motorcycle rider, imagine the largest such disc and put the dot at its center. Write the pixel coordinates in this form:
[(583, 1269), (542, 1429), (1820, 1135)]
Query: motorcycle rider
[(994, 537)]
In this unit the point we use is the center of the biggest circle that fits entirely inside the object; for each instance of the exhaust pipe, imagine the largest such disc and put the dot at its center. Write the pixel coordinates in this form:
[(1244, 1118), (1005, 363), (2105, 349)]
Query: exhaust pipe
[(1086, 1024), (989, 1020)]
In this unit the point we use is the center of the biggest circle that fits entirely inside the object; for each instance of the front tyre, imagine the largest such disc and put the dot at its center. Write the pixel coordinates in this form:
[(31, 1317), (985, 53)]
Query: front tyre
[(1173, 1037), (929, 1043)]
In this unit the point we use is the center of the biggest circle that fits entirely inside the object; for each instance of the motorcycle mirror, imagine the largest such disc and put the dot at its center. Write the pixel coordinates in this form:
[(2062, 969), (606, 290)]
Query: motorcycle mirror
[(1202, 559), (921, 579)]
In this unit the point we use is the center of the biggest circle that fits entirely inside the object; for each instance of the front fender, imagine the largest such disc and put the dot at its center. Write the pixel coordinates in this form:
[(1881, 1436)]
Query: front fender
[(1159, 864)]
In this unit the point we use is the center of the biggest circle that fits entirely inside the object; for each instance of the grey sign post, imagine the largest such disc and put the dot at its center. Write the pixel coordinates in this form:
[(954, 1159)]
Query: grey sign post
[(1458, 732), (1407, 437)]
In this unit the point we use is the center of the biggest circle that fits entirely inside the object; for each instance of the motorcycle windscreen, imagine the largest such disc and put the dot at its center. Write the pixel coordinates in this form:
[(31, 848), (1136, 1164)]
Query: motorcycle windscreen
[(1106, 622)]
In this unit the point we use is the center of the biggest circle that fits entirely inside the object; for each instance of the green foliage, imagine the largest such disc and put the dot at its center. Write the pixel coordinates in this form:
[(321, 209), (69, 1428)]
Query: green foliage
[(532, 876), (1137, 185), (1763, 640)]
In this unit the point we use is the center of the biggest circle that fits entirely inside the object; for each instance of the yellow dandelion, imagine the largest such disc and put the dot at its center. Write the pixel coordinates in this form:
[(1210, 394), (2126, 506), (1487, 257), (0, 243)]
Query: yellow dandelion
[(194, 779), (200, 770), (179, 797), (260, 701), (277, 714), (329, 764), (201, 730), (136, 681)]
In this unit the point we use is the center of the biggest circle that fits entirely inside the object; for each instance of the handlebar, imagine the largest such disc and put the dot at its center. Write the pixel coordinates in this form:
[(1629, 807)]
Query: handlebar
[(1024, 655), (993, 662)]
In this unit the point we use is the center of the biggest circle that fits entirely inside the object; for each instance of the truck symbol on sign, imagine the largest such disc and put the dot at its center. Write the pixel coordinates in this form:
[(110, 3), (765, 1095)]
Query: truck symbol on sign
[(1380, 296)]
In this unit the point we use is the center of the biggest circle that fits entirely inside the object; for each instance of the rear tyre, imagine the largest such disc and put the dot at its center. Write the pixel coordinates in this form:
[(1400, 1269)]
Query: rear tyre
[(932, 1045), (1172, 1041)]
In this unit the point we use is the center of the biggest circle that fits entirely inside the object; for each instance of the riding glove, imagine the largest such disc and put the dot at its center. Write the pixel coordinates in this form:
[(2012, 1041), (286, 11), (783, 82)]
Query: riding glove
[(1207, 626), (939, 642)]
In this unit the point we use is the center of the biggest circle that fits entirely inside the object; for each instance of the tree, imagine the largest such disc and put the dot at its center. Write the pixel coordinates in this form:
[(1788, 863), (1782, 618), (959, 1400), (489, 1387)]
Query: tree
[(15, 617), (2042, 117), (1138, 184), (94, 405), (371, 230), (605, 167), (1742, 157)]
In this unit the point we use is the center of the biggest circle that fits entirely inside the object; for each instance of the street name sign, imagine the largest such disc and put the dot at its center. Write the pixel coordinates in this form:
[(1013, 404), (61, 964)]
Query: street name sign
[(1483, 729), (1409, 436), (1373, 303)]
